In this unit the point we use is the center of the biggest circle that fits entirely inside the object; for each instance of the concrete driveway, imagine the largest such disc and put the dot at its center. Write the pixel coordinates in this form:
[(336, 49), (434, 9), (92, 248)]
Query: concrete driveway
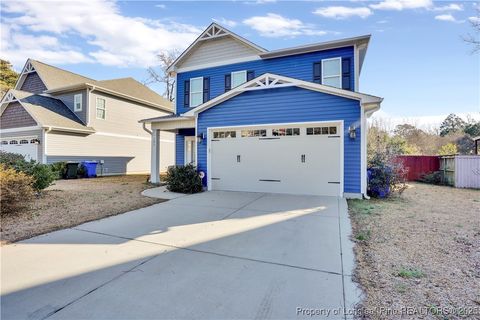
[(214, 255)]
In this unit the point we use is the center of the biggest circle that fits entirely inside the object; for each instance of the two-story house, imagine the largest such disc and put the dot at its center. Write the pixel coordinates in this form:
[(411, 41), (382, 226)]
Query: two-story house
[(55, 115), (282, 121)]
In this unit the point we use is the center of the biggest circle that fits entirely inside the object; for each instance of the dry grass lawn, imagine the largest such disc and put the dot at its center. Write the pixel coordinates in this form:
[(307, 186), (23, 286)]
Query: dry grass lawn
[(72, 202), (419, 250)]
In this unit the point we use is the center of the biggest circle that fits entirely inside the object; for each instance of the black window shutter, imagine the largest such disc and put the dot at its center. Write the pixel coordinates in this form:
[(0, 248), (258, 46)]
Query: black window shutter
[(346, 74), (228, 82), (186, 92), (206, 89), (250, 75), (317, 72)]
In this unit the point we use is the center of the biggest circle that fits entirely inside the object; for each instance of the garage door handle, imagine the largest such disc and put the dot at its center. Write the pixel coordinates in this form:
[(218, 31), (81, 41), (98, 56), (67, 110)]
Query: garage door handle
[(302, 158), (238, 158)]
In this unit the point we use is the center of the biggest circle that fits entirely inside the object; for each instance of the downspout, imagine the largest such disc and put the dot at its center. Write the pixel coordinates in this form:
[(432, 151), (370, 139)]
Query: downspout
[(44, 153)]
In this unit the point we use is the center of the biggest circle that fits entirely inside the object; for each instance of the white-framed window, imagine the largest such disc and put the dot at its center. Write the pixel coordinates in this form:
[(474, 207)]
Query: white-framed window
[(332, 72), (101, 108), (77, 102), (196, 92), (238, 78)]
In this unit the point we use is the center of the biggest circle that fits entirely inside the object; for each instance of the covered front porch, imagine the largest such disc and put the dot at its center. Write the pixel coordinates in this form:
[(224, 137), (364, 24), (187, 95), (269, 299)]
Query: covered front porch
[(185, 141)]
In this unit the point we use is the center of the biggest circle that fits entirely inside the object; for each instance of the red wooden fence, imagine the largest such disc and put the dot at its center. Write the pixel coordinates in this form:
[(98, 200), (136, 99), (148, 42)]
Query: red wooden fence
[(418, 165)]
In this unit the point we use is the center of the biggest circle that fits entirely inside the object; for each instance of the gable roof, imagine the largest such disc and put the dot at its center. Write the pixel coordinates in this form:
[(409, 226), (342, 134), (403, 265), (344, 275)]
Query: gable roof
[(59, 80), (47, 111), (214, 31), (271, 81)]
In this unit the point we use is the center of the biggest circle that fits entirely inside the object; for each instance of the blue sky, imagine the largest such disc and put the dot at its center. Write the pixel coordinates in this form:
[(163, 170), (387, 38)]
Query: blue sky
[(416, 59)]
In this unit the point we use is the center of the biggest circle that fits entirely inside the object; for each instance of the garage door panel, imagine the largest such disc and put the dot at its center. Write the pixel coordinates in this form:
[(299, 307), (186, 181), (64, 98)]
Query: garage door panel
[(298, 164), (26, 146)]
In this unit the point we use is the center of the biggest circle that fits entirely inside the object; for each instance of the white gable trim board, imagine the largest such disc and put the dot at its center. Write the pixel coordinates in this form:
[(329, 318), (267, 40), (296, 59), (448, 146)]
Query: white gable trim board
[(289, 171)]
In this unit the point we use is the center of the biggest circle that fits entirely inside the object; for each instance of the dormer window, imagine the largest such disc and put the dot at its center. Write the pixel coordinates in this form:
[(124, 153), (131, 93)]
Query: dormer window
[(332, 72), (77, 102), (238, 78)]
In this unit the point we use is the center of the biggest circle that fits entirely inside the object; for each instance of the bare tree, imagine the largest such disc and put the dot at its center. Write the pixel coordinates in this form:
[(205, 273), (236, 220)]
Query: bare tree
[(165, 59), (474, 39)]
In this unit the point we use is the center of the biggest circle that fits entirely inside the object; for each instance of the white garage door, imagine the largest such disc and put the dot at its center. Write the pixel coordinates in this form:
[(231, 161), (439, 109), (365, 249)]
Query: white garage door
[(296, 159), (26, 146)]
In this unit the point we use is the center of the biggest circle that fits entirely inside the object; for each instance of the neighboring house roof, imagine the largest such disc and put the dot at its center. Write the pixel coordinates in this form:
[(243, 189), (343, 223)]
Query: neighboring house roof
[(215, 31), (58, 80), (48, 112), (271, 81)]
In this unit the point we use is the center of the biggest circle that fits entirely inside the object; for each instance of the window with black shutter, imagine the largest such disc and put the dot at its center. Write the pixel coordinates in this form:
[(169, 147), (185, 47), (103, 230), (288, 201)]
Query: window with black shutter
[(186, 92), (346, 74), (250, 75), (228, 82), (317, 72), (206, 89)]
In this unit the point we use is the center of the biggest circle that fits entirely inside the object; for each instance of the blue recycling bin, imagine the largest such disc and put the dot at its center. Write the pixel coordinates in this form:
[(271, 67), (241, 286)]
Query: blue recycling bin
[(90, 169)]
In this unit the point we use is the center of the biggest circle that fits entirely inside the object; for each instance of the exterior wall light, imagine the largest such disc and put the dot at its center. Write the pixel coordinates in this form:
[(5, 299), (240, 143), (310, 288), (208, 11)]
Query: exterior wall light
[(200, 138), (352, 132)]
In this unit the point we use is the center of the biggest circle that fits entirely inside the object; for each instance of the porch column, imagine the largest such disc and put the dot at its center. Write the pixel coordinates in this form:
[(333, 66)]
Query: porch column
[(155, 157)]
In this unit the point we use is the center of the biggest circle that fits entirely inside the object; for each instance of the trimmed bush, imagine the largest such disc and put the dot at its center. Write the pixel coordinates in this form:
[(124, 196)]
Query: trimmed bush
[(60, 169), (183, 179), (16, 189), (42, 174), (435, 177), (385, 175)]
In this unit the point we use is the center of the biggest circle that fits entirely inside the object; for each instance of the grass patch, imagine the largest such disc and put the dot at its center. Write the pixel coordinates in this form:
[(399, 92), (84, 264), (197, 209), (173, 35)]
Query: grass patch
[(363, 235), (364, 207), (409, 273)]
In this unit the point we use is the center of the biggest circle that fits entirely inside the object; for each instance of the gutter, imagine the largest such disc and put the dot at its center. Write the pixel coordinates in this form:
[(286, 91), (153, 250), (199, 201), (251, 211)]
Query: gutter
[(52, 128), (144, 127)]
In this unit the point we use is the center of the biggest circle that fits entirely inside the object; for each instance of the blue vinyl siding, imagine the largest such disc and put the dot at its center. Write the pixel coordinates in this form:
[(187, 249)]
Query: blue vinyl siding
[(180, 145), (288, 105), (295, 66)]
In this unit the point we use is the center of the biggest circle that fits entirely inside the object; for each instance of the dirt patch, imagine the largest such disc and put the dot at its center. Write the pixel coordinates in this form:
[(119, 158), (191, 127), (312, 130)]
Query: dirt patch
[(72, 202), (420, 250)]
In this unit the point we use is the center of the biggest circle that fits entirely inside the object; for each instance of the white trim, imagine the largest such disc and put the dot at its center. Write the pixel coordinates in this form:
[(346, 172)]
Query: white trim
[(339, 75), (107, 134), (209, 33), (356, 69), (175, 95), (189, 139), (75, 102), (218, 63), (104, 108), (341, 133), (268, 80), (243, 72), (363, 152), (20, 129), (351, 195), (27, 137), (190, 92)]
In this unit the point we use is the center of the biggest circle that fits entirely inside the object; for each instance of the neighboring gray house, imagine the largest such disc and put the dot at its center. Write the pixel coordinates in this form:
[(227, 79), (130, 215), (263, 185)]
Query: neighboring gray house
[(56, 115)]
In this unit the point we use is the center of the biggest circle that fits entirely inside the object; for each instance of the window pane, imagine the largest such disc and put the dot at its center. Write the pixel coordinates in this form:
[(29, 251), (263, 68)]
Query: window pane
[(238, 78), (289, 131), (333, 82), (196, 99), (215, 135), (324, 130), (263, 133), (309, 131), (221, 134), (101, 103), (296, 131), (233, 134), (196, 85), (317, 130), (331, 67), (333, 130), (100, 114)]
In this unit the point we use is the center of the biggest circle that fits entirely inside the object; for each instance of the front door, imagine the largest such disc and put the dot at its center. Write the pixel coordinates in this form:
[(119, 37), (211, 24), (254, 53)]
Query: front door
[(190, 149)]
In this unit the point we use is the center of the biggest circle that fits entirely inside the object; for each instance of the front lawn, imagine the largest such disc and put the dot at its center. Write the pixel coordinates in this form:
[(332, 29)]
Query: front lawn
[(419, 250), (69, 203)]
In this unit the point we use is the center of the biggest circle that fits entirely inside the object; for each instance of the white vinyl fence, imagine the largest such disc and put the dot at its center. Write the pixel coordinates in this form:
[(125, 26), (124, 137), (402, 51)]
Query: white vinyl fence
[(461, 171), (467, 172)]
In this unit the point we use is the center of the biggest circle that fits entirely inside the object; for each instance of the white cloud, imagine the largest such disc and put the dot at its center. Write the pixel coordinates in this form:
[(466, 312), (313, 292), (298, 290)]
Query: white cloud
[(475, 20), (161, 6), (402, 4), (445, 17), (450, 7), (225, 22), (339, 12), (112, 39), (274, 25)]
